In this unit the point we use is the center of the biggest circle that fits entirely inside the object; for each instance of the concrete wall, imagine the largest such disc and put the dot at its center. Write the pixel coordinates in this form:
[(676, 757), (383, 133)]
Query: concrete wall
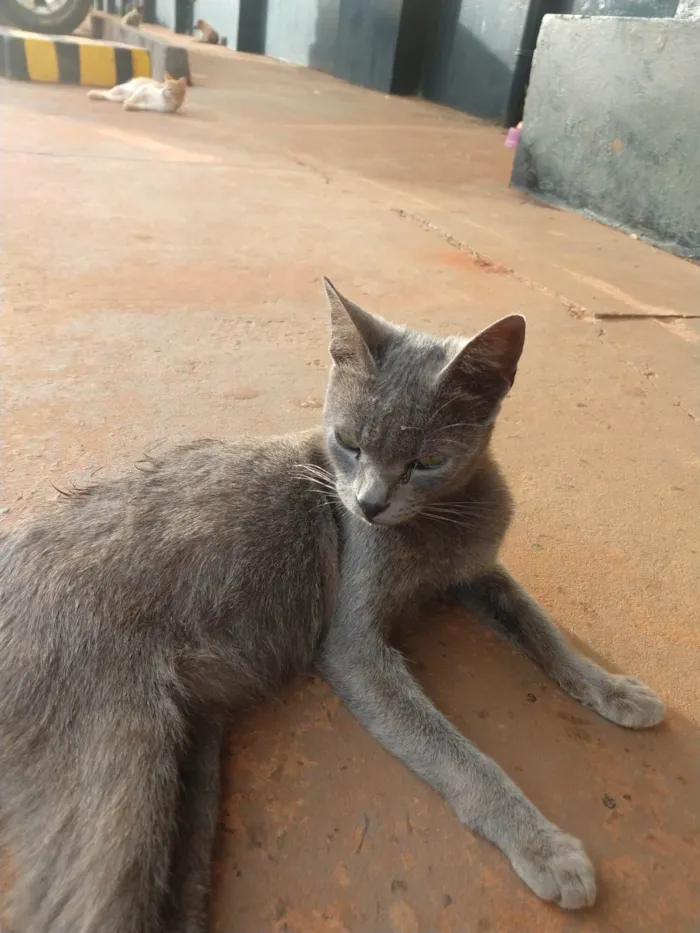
[(366, 42), (380, 43), (471, 58), (223, 17), (165, 13), (612, 124), (375, 43), (688, 9), (652, 8), (471, 55), (323, 48), (291, 30)]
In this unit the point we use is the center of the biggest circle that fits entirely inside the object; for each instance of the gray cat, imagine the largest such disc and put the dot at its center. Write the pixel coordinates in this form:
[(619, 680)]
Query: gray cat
[(138, 616)]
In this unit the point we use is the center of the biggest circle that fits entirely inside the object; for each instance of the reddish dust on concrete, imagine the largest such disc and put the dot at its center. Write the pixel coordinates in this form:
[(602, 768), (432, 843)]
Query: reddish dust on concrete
[(161, 281)]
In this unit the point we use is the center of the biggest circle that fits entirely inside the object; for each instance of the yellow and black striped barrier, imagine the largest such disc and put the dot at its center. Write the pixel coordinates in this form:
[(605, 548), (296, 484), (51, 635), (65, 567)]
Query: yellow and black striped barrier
[(30, 56)]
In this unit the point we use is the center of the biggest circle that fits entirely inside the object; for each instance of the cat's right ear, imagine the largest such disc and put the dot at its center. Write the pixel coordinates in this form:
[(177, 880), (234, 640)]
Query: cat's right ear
[(488, 362), (357, 337)]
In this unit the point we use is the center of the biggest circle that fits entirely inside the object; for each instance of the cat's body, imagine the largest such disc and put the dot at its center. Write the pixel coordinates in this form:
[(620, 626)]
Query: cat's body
[(136, 617), (206, 33), (134, 16), (146, 94)]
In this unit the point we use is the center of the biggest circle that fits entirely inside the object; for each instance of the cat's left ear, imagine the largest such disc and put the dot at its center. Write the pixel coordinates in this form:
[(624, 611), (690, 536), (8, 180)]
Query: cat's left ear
[(490, 360), (357, 337)]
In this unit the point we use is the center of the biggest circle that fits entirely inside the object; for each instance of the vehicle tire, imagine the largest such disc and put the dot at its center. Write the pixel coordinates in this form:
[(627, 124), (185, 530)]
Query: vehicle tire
[(67, 16)]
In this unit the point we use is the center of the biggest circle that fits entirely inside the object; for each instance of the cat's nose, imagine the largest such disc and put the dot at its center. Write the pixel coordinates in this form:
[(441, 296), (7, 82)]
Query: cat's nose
[(371, 508)]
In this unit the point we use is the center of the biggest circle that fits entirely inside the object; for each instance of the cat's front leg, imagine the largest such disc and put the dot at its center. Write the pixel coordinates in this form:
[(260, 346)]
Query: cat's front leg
[(138, 99), (373, 680), (498, 600), (134, 103)]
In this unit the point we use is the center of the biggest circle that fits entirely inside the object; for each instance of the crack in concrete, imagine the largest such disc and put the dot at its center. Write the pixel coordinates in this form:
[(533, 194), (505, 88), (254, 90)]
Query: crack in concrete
[(579, 312), (363, 835), (665, 316)]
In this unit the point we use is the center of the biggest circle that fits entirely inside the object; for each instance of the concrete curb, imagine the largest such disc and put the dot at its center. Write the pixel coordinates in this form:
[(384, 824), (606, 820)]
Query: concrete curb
[(633, 160), (29, 56), (172, 59)]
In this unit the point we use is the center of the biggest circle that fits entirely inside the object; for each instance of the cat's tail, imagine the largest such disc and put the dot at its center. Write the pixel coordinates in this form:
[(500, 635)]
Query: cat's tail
[(91, 832)]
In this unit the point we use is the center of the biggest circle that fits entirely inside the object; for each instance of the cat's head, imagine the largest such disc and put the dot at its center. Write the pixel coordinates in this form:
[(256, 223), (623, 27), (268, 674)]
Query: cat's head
[(175, 89), (408, 416)]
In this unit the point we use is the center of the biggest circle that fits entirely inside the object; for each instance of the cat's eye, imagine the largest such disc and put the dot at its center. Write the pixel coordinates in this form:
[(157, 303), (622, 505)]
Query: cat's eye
[(347, 441), (430, 462)]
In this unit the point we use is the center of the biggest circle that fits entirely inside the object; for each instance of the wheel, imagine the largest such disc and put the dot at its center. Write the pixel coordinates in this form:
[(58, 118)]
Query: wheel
[(52, 16)]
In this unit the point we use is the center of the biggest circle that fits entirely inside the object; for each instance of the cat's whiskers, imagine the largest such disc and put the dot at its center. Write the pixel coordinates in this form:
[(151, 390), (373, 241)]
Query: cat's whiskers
[(465, 514), (457, 424), (311, 471), (466, 517), (321, 480), (326, 493), (314, 468), (450, 400), (463, 507), (444, 518), (329, 487)]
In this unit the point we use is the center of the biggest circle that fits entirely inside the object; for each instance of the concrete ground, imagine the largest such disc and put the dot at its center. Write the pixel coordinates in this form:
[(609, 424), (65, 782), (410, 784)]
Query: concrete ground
[(161, 280)]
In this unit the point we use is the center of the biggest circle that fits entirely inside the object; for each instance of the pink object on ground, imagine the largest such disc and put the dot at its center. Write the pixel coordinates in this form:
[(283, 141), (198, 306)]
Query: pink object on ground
[(512, 137)]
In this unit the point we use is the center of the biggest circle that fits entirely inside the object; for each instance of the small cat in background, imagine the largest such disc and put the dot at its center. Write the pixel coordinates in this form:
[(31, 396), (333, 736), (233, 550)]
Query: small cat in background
[(134, 17), (206, 32), (147, 94)]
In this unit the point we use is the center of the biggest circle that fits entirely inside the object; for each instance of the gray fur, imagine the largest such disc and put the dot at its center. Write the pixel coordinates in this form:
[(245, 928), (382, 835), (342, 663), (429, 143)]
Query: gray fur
[(138, 615)]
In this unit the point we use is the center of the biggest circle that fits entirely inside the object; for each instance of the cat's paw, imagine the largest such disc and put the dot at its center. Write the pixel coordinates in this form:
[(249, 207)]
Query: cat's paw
[(556, 868), (627, 702)]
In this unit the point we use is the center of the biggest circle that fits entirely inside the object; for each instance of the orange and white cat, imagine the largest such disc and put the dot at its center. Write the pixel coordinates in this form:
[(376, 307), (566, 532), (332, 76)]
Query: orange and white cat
[(147, 94)]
